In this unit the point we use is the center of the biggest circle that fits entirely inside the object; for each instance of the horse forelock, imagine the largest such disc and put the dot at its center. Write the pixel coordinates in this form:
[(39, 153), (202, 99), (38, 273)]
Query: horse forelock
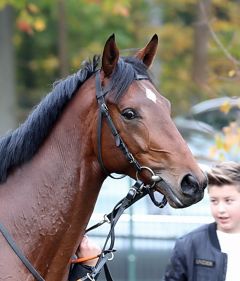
[(20, 145), (125, 73)]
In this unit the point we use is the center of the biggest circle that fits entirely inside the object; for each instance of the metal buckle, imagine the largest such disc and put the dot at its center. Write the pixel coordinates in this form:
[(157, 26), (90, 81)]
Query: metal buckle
[(106, 219)]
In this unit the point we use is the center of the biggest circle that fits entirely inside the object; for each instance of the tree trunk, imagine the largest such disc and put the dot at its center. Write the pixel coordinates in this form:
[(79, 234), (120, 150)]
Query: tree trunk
[(7, 72), (201, 35), (62, 39)]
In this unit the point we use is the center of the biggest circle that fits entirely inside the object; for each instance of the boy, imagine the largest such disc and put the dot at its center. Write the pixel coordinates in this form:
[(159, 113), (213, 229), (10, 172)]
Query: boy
[(212, 252)]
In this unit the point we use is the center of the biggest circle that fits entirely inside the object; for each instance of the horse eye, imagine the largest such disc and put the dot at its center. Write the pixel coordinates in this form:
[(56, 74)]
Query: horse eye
[(129, 114)]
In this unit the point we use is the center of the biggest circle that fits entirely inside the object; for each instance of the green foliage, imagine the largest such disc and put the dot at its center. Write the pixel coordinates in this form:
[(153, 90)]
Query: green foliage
[(18, 4), (176, 51), (90, 22)]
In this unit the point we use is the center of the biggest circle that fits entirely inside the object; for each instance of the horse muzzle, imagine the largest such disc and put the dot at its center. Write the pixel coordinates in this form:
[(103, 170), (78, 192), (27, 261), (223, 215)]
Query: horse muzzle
[(189, 192)]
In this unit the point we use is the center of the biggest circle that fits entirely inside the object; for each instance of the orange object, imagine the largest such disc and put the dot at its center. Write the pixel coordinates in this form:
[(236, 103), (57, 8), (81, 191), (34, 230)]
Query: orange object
[(79, 260)]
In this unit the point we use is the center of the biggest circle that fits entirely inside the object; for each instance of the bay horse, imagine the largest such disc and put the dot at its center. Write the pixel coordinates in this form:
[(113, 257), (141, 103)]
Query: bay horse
[(53, 165)]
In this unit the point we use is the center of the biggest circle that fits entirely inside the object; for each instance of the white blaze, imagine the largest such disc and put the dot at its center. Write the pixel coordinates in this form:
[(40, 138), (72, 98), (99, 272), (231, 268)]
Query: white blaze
[(150, 95)]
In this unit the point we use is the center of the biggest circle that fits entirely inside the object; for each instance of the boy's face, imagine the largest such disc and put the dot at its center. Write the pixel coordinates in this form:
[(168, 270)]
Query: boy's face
[(225, 207)]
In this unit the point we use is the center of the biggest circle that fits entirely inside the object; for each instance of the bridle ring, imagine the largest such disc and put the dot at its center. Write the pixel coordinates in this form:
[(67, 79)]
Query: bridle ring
[(153, 175)]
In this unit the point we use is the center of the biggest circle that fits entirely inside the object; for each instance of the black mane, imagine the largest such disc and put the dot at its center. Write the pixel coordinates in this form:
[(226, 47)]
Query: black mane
[(20, 145)]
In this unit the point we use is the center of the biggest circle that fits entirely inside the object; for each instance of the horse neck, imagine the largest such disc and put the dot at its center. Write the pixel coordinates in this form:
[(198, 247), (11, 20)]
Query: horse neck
[(61, 184)]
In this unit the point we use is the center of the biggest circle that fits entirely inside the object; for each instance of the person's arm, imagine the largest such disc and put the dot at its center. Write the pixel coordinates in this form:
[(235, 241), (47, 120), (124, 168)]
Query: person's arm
[(87, 248), (176, 269)]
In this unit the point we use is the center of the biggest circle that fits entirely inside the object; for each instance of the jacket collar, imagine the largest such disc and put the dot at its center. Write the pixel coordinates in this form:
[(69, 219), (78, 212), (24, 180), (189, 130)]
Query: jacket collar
[(212, 232)]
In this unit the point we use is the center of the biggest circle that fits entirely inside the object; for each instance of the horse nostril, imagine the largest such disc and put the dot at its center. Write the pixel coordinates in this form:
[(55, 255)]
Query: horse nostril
[(189, 185)]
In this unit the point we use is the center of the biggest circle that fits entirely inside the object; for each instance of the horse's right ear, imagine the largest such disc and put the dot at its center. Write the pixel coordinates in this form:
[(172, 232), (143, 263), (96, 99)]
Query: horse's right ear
[(110, 56)]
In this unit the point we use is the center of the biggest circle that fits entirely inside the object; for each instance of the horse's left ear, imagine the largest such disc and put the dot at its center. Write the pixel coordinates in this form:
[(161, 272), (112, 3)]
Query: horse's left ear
[(110, 56), (148, 53)]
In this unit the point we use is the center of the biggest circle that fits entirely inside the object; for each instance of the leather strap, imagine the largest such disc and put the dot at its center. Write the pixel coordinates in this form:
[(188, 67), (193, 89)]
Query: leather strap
[(103, 112), (19, 253), (114, 217)]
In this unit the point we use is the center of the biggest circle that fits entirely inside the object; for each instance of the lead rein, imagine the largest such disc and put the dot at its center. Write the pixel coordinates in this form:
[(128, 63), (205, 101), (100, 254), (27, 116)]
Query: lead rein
[(135, 193)]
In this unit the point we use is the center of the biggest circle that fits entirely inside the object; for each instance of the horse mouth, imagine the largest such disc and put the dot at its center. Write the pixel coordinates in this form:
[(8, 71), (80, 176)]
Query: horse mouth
[(167, 191), (173, 199), (176, 197)]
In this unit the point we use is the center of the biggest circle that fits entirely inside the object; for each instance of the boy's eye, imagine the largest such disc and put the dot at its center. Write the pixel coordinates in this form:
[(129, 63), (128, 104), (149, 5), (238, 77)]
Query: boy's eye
[(213, 201), (229, 200)]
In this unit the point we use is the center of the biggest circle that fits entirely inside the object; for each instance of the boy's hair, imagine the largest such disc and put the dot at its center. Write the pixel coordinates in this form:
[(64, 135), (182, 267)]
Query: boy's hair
[(224, 173)]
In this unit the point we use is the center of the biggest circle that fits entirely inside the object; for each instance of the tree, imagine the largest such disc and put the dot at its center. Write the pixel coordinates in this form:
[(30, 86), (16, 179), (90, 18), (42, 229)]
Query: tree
[(62, 39), (200, 44), (7, 71), (190, 54), (191, 66)]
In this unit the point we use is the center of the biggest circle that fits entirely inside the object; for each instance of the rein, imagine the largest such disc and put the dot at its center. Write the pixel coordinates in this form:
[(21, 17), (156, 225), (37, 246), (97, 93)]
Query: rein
[(19, 253), (135, 193)]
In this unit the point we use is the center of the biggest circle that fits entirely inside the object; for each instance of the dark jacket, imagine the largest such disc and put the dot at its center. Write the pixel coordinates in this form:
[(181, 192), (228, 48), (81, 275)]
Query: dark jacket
[(197, 257), (79, 271)]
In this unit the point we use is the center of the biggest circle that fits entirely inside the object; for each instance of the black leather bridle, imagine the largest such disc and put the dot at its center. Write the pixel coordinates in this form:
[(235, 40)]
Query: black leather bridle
[(104, 113)]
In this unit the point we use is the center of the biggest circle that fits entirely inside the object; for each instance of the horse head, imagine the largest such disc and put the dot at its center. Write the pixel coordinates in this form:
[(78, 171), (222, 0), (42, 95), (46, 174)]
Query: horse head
[(142, 117)]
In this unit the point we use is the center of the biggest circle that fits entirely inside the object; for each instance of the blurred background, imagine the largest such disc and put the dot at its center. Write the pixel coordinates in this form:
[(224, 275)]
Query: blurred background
[(197, 68)]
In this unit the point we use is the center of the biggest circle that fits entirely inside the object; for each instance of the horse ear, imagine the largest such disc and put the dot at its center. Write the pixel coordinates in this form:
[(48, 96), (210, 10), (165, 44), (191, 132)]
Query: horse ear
[(110, 56), (148, 53)]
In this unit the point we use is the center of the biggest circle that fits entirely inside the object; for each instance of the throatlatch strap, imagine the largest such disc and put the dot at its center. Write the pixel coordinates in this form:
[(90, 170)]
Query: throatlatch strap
[(19, 253)]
